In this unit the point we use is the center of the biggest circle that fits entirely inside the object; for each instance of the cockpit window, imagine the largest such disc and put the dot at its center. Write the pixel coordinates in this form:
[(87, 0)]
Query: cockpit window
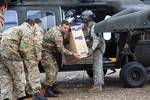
[(10, 19), (47, 17)]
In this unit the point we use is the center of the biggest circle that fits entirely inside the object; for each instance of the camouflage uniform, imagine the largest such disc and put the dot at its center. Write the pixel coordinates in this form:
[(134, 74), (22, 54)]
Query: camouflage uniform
[(52, 49), (97, 44), (13, 65), (1, 19), (30, 49), (6, 84)]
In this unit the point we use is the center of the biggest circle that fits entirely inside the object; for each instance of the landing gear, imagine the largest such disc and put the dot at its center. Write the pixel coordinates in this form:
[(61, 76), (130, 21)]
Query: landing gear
[(133, 74)]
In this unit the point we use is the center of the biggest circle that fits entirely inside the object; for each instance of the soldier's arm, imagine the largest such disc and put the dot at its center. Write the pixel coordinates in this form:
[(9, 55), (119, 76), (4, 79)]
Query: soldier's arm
[(2, 10), (11, 40), (96, 39), (39, 40), (58, 39)]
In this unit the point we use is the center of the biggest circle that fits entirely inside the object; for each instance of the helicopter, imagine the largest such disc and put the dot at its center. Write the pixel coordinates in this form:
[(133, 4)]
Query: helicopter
[(127, 27)]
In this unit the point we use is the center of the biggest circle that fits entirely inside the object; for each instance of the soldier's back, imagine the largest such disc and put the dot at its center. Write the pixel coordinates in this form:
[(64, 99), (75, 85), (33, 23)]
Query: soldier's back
[(50, 37)]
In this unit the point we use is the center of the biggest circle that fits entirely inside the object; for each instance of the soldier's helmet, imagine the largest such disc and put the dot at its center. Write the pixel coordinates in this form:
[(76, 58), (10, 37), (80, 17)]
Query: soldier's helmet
[(87, 16)]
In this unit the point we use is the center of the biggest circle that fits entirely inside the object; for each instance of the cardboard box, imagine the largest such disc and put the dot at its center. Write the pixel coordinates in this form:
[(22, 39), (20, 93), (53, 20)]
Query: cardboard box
[(77, 44), (77, 41)]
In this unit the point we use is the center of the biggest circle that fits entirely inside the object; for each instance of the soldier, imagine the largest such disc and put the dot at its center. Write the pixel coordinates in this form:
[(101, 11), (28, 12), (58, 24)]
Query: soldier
[(30, 50), (39, 36), (52, 50), (96, 46), (12, 62), (6, 84), (3, 8), (39, 31)]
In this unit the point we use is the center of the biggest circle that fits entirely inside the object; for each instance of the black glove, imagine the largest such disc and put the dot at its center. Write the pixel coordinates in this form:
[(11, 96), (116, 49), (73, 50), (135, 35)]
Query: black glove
[(91, 52)]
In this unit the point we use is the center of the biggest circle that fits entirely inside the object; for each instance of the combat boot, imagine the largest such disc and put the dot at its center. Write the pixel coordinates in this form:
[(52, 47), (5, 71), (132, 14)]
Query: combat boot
[(37, 96), (28, 95), (49, 92), (56, 89), (95, 89), (21, 98)]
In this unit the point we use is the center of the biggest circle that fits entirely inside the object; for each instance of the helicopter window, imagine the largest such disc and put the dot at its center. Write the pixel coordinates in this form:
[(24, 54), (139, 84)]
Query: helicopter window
[(11, 19), (47, 17)]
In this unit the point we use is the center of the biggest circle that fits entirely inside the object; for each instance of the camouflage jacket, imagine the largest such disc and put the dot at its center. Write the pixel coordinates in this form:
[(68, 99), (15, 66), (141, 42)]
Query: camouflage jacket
[(31, 39), (1, 25), (1, 21), (10, 43), (53, 42), (27, 46), (93, 41), (38, 37)]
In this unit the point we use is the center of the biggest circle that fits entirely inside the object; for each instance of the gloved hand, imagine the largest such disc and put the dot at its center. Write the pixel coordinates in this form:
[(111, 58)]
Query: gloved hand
[(91, 52)]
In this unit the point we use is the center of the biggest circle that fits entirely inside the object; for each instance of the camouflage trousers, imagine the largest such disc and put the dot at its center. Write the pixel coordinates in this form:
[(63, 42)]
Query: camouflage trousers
[(51, 68), (6, 84), (16, 76), (32, 76), (98, 73)]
